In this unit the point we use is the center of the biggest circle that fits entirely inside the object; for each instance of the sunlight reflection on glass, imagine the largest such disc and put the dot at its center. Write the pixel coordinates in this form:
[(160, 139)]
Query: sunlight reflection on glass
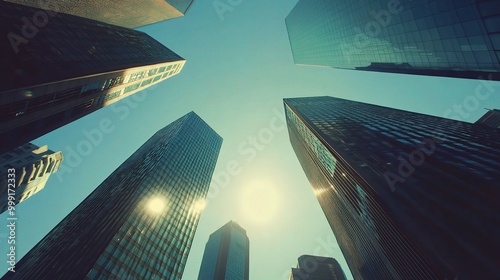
[(28, 93), (198, 206), (318, 192), (156, 205)]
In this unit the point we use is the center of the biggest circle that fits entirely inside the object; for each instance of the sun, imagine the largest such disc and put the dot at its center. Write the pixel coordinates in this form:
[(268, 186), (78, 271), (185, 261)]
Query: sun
[(260, 202)]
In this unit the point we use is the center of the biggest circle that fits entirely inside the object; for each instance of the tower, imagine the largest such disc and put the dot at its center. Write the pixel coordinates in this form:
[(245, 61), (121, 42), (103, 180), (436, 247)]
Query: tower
[(139, 223), (437, 38), (57, 68), (491, 118), (130, 14), (31, 167), (407, 195), (226, 254), (317, 268)]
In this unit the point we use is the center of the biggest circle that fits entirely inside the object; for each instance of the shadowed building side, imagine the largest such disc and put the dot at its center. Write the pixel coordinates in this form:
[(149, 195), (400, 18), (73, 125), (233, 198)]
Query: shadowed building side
[(226, 254), (407, 195), (490, 118), (58, 68), (139, 223), (317, 268)]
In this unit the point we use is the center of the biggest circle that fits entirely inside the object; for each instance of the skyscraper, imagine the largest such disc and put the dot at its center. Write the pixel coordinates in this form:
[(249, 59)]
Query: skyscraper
[(56, 68), (490, 118), (226, 254), (407, 195), (32, 166), (452, 38), (140, 222), (130, 13), (317, 268)]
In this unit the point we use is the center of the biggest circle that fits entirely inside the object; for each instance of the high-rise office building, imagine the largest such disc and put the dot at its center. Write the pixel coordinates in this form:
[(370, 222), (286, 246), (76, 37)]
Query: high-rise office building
[(490, 118), (140, 222), (130, 13), (407, 195), (226, 255), (56, 68), (31, 167), (317, 268), (453, 38)]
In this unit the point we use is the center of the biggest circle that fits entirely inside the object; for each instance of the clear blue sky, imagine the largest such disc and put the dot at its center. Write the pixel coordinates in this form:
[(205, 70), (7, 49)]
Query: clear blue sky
[(239, 68)]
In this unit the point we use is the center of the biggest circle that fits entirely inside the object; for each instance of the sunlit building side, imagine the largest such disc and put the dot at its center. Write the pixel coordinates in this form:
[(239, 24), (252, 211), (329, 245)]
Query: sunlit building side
[(31, 167), (453, 38), (57, 68), (407, 195), (226, 254), (129, 13), (140, 222)]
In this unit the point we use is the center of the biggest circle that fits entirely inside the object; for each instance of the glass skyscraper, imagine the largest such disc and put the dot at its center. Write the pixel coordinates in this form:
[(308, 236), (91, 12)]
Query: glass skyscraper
[(226, 254), (407, 195), (451, 38), (317, 268), (140, 222), (129, 13), (56, 68)]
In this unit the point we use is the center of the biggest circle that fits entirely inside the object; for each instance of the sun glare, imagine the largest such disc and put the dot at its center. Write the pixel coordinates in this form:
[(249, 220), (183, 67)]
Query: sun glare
[(156, 205), (260, 202), (199, 205)]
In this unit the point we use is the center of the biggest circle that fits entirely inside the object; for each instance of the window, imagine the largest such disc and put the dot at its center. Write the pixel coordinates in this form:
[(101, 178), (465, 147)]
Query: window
[(146, 82), (131, 88), (152, 72), (92, 86)]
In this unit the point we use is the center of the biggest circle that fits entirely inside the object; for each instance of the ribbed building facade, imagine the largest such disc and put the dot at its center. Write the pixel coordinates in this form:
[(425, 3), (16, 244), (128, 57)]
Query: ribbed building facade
[(31, 167), (317, 268), (57, 68), (407, 195), (491, 118), (139, 223), (130, 13), (453, 38), (226, 255)]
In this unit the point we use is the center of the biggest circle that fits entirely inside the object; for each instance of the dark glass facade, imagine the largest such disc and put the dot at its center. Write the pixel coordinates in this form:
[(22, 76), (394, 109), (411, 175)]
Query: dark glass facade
[(407, 195), (452, 38), (226, 255), (490, 118), (130, 13), (56, 68), (140, 222), (317, 268)]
